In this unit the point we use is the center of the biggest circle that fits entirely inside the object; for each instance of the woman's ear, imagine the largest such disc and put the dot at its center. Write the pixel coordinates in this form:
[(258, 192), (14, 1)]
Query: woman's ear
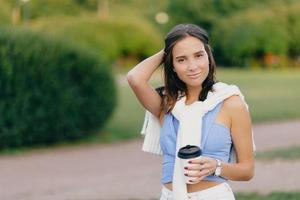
[(174, 70)]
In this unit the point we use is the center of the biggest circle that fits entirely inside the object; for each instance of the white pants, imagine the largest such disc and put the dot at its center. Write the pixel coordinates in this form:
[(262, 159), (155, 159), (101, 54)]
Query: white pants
[(219, 192)]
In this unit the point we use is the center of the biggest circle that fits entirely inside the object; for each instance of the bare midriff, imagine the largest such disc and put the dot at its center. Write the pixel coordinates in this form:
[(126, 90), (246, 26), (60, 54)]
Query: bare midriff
[(202, 185)]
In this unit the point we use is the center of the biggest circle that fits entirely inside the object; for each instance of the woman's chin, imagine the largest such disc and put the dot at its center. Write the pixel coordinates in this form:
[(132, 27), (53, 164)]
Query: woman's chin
[(194, 84)]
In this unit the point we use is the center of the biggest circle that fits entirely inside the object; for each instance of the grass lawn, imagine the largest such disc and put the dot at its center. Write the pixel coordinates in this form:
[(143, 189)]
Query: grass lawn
[(272, 196), (271, 95), (289, 153)]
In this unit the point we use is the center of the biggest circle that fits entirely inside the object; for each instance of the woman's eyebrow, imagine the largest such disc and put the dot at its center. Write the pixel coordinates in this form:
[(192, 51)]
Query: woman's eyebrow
[(177, 57), (184, 56), (201, 51)]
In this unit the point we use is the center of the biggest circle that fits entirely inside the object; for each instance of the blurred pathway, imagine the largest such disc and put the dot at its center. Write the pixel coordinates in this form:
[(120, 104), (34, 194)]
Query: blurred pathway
[(123, 171)]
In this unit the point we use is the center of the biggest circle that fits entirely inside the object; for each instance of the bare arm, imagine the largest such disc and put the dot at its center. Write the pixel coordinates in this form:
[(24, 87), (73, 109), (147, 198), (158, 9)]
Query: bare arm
[(138, 79), (242, 139)]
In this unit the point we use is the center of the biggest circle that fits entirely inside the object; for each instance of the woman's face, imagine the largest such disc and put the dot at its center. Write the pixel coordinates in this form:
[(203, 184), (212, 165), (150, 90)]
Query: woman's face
[(190, 61)]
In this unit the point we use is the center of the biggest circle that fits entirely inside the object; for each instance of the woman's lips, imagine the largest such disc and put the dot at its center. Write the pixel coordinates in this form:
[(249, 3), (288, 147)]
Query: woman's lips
[(196, 75)]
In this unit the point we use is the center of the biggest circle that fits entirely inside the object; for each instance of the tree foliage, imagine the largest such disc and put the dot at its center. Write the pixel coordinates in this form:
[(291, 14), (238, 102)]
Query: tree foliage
[(51, 91)]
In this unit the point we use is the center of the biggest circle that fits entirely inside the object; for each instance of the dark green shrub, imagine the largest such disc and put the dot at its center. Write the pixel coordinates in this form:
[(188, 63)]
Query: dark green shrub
[(294, 31), (50, 91)]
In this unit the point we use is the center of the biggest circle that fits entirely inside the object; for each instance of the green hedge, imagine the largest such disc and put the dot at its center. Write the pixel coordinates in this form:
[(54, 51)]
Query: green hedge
[(293, 18), (113, 38), (211, 11), (50, 91), (249, 36)]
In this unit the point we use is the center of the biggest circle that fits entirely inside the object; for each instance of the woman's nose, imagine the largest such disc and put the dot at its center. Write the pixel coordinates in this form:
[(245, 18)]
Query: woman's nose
[(192, 65)]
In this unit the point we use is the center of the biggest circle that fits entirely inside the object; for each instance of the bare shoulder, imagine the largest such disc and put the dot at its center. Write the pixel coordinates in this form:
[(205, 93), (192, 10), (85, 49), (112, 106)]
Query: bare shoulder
[(238, 113), (234, 104)]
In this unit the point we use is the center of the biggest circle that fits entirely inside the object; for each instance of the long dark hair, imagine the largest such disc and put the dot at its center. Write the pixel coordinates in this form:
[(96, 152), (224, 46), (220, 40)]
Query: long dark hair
[(174, 87)]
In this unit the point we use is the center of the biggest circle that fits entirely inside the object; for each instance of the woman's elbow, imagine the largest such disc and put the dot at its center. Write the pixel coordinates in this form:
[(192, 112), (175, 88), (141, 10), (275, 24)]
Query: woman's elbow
[(248, 177), (131, 78), (249, 174)]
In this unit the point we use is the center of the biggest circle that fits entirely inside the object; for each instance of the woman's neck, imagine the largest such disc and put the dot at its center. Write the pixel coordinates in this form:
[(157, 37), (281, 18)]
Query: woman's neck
[(193, 94)]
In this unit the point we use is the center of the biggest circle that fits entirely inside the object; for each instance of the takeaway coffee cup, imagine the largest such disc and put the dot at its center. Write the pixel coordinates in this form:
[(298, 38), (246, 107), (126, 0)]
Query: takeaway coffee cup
[(187, 153)]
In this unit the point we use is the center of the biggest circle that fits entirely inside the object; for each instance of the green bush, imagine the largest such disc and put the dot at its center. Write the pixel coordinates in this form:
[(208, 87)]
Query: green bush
[(50, 91), (113, 38), (208, 13), (294, 30), (249, 36)]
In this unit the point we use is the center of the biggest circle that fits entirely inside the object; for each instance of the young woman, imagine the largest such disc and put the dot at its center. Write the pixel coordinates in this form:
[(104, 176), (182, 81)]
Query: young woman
[(189, 73)]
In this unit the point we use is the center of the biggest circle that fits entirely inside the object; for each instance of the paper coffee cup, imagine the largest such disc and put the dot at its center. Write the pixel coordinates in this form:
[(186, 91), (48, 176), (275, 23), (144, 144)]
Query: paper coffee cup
[(187, 153)]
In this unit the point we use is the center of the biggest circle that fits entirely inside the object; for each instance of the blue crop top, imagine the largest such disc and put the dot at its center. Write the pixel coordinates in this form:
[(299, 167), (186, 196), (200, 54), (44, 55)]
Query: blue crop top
[(216, 143)]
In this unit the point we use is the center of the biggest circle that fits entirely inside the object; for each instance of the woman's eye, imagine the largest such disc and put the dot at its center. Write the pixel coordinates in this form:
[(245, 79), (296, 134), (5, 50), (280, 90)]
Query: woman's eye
[(199, 55), (180, 60)]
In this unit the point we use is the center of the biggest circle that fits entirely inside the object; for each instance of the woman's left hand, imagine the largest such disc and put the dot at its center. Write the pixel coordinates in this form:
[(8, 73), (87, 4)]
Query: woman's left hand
[(201, 168)]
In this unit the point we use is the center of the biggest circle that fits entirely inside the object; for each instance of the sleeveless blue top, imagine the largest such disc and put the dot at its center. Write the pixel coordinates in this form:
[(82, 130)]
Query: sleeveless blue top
[(215, 143)]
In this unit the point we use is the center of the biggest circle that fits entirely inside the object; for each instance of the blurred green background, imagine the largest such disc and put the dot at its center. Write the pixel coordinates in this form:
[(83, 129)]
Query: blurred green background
[(257, 34), (256, 45)]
